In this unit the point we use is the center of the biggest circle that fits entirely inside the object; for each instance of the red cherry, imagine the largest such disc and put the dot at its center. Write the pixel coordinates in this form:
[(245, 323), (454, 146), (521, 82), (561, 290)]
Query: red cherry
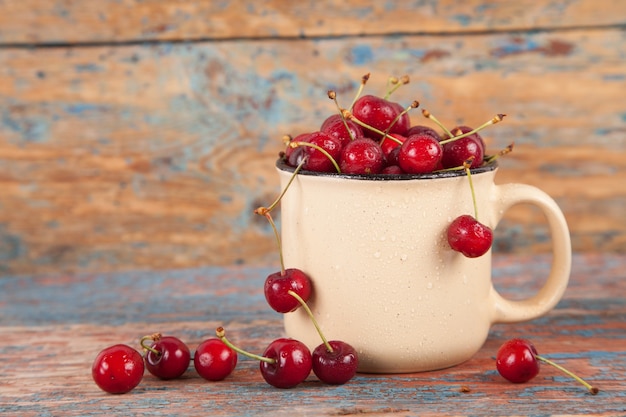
[(334, 126), (362, 156), (420, 154), (392, 170), (294, 155), (117, 369), (389, 145), (516, 361), (419, 129), (330, 120), (308, 146), (170, 360), (470, 237), (291, 364), (402, 125), (392, 158), (458, 130), (336, 367), (455, 153), (379, 113), (278, 284), (316, 160), (213, 360)]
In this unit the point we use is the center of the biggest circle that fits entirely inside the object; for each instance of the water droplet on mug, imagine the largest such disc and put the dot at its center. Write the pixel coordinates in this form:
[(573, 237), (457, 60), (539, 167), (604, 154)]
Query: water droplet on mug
[(377, 255), (429, 285), (404, 257)]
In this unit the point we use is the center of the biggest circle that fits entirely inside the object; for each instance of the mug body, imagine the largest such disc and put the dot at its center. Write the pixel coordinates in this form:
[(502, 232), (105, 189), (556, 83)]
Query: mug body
[(384, 277)]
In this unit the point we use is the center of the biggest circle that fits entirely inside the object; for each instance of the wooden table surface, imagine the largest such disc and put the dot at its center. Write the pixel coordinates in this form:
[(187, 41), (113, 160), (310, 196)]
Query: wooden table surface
[(52, 327)]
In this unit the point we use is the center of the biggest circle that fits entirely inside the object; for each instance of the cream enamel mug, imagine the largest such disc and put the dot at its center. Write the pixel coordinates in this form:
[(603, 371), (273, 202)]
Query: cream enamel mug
[(384, 277)]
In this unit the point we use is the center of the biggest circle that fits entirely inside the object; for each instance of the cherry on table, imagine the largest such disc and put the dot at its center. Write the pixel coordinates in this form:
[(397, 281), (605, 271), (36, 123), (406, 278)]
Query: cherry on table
[(213, 360), (167, 357), (517, 361), (117, 369), (285, 362), (336, 366), (291, 363), (334, 362)]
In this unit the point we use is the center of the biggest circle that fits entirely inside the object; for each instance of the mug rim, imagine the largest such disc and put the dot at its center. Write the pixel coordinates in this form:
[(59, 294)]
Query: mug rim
[(283, 166)]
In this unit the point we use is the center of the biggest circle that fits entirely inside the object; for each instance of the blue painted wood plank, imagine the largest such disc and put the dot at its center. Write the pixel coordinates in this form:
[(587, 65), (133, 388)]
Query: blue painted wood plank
[(53, 326), (154, 156)]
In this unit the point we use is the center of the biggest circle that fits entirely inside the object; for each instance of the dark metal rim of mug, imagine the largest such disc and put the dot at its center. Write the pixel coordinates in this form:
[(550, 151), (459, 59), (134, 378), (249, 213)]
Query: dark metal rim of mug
[(282, 165)]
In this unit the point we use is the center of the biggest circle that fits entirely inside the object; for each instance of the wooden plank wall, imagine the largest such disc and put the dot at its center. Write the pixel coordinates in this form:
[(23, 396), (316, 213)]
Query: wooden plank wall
[(142, 134)]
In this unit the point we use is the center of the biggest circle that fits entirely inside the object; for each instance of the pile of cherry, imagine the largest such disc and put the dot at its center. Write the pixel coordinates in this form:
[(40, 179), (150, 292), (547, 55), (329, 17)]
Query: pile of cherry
[(285, 362), (372, 137)]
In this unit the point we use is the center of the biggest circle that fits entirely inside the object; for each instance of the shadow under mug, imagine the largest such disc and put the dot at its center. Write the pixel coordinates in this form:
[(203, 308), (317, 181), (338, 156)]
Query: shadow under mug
[(384, 277)]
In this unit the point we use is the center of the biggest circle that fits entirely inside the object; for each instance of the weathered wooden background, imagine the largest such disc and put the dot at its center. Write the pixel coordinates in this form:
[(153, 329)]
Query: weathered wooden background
[(142, 134)]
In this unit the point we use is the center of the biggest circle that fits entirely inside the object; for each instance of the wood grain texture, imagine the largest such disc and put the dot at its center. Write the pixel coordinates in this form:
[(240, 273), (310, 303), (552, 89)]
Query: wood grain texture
[(153, 155), (53, 326), (103, 21)]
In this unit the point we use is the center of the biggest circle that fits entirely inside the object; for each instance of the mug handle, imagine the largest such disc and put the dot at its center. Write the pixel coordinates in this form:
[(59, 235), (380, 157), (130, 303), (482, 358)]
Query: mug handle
[(511, 311)]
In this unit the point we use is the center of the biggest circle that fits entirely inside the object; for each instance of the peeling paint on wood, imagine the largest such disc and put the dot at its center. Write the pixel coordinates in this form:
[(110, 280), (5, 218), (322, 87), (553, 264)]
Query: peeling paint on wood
[(153, 155)]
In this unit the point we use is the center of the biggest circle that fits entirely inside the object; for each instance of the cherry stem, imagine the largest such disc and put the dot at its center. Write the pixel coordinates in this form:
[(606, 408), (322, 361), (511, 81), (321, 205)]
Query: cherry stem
[(503, 152), (263, 210), (154, 338), (457, 168), (466, 165), (279, 242), (266, 211), (333, 96), (429, 115), (397, 83), (593, 390), (319, 148), (220, 332), (415, 104), (364, 80), (496, 119), (310, 313)]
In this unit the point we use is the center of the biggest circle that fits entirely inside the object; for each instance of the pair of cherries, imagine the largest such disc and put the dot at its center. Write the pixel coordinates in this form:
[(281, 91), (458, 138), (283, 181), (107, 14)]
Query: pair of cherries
[(120, 368), (287, 362)]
